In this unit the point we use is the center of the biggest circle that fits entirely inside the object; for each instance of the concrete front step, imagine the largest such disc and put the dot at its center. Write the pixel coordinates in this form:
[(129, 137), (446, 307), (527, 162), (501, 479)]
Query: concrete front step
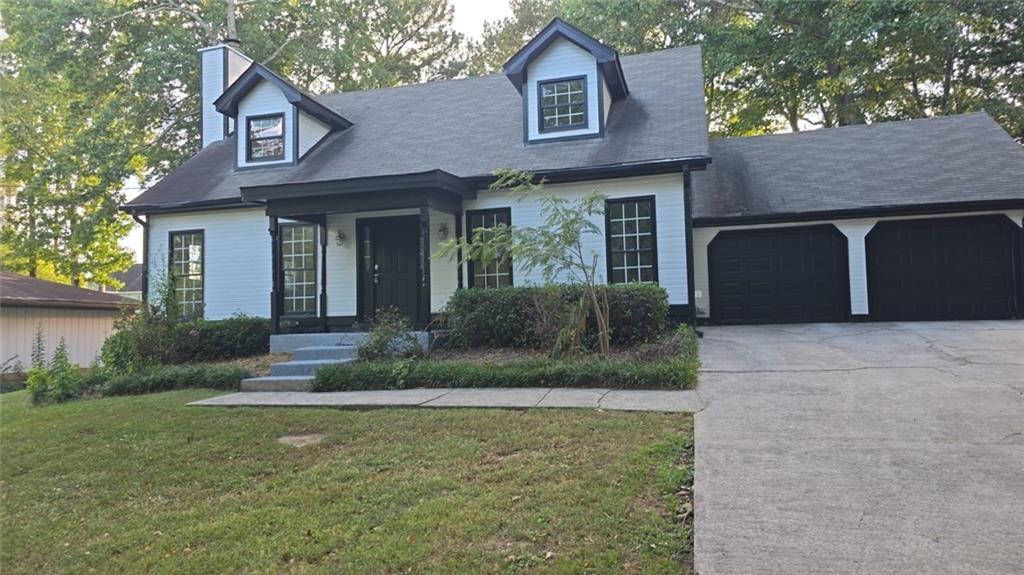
[(290, 342), (306, 367), (324, 352), (278, 383)]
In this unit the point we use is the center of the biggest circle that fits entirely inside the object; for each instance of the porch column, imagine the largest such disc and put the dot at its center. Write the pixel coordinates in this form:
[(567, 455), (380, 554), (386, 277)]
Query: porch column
[(458, 238), (275, 273), (323, 274), (424, 299)]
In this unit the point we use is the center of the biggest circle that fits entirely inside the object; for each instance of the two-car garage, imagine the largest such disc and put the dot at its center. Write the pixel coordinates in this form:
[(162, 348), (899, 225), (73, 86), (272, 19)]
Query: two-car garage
[(892, 221), (939, 268)]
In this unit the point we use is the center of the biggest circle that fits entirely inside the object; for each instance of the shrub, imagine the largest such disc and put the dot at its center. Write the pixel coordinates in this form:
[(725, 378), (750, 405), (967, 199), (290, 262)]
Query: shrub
[(144, 340), (390, 337), (678, 370), (167, 378), (58, 381), (520, 316)]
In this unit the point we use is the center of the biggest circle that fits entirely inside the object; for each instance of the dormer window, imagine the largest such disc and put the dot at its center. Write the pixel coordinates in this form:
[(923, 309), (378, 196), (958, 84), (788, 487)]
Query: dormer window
[(563, 104), (265, 136)]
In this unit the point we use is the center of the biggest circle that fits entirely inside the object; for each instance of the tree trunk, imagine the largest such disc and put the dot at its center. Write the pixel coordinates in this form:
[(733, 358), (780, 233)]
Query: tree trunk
[(232, 29)]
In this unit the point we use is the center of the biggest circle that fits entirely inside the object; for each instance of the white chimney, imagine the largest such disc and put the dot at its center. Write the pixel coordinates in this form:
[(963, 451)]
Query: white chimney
[(219, 67)]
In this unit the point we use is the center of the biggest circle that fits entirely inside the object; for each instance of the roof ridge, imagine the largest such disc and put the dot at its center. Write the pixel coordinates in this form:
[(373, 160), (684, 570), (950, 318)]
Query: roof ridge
[(433, 83)]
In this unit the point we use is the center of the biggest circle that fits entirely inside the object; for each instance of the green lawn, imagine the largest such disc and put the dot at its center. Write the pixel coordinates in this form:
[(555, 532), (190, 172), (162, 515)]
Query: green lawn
[(145, 484)]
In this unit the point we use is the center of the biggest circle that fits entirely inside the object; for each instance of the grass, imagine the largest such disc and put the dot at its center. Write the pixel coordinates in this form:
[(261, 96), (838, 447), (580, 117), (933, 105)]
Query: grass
[(145, 484)]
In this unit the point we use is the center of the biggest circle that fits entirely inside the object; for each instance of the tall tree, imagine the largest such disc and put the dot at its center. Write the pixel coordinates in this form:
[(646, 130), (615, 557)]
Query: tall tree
[(98, 93)]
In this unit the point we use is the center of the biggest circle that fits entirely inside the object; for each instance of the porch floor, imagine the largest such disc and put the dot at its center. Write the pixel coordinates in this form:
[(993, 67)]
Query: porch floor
[(518, 398)]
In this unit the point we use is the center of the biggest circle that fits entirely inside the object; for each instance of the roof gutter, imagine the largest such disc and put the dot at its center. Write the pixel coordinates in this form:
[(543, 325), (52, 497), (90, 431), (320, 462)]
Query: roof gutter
[(624, 170), (867, 212)]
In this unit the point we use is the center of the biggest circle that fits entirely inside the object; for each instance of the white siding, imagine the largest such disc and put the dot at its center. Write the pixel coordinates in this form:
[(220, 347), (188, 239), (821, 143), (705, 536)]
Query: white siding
[(669, 210), (83, 332), (607, 100), (212, 83), (562, 59), (444, 272), (237, 258), (266, 98), (855, 231), (311, 131)]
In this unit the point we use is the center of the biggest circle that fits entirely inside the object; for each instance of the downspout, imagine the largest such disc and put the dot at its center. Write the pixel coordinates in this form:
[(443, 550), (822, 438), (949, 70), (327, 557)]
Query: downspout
[(145, 255), (688, 219)]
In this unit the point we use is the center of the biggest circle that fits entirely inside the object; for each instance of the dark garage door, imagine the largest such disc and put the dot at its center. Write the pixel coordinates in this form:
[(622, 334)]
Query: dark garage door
[(951, 268), (779, 275)]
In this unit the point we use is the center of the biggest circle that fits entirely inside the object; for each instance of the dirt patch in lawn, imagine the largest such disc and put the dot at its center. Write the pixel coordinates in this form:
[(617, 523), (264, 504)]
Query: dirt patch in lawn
[(301, 440), (654, 351), (258, 365)]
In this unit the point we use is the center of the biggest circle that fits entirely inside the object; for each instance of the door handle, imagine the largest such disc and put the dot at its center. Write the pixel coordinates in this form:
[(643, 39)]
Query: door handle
[(376, 278)]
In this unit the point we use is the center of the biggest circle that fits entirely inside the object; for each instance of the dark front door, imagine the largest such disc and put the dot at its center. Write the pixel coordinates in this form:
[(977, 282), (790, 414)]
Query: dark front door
[(779, 275), (937, 269), (394, 266)]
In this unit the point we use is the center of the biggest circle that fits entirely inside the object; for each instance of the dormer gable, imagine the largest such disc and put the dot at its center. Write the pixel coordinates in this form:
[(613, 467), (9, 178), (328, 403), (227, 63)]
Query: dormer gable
[(277, 123), (568, 81)]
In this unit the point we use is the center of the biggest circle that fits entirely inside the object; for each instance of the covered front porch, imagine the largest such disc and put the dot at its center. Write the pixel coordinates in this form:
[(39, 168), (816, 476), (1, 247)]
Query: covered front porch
[(343, 250)]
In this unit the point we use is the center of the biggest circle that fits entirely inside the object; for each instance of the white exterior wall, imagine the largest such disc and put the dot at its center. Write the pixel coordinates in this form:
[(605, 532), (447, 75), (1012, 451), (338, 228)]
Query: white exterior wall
[(212, 82), (562, 59), (236, 259), (444, 272), (83, 330), (670, 224), (264, 99), (311, 131), (855, 230)]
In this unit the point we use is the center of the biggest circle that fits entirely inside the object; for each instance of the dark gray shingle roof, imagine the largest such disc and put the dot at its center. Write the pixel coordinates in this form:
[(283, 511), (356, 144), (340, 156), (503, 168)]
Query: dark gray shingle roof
[(949, 159), (467, 127)]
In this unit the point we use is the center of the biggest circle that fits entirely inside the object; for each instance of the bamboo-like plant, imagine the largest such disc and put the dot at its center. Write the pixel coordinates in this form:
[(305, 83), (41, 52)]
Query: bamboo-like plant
[(556, 248)]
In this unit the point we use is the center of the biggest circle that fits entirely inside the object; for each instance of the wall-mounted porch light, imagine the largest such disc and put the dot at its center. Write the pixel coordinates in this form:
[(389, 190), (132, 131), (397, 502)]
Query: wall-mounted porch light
[(442, 230), (341, 239)]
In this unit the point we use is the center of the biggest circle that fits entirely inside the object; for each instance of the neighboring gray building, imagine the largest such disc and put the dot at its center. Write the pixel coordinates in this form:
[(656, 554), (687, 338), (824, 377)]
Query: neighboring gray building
[(908, 220)]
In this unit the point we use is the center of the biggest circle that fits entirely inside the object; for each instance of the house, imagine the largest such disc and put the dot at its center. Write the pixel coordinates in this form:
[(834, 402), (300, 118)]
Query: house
[(132, 280), (83, 318), (316, 211)]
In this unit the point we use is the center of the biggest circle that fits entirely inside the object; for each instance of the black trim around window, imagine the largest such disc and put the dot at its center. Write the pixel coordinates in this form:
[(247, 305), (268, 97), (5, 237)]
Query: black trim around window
[(541, 129), (611, 249), (288, 267), (195, 307), (249, 140), (502, 213)]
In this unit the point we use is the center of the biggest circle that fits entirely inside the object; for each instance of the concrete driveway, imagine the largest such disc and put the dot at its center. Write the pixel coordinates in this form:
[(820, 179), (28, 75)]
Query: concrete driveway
[(861, 448)]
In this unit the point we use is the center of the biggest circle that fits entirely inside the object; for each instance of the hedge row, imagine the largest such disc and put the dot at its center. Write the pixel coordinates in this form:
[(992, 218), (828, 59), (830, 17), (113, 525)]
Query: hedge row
[(677, 371), (171, 377), (142, 342), (515, 316)]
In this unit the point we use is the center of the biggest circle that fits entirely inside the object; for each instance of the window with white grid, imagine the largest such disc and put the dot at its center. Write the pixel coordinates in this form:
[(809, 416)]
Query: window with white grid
[(563, 104), (298, 264), (187, 271), (496, 273), (632, 254)]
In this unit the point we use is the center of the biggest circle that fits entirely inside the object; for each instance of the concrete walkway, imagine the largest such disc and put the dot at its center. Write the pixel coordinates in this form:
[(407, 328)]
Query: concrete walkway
[(609, 399), (861, 448)]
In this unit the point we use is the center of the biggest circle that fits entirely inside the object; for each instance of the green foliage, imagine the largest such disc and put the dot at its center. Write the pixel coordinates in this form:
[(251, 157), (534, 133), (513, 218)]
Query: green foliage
[(170, 377), (103, 95), (519, 316), (390, 337), (144, 340), (677, 370), (789, 64), (59, 380), (556, 247)]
